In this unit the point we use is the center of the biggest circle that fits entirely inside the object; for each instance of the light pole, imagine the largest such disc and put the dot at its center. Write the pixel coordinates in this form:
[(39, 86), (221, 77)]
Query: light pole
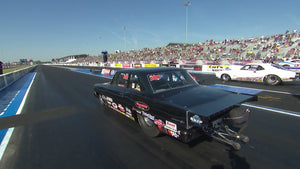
[(124, 28), (186, 4)]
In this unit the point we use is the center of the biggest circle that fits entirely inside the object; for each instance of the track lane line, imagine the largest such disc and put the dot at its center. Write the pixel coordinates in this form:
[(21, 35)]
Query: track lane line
[(272, 91), (285, 112), (9, 132)]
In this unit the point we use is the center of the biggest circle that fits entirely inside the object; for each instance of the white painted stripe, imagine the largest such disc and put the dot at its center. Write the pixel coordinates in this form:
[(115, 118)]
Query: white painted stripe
[(296, 114), (10, 130), (272, 91)]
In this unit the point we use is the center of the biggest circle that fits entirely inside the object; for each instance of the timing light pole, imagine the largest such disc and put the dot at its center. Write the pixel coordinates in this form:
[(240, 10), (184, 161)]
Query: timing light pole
[(186, 4)]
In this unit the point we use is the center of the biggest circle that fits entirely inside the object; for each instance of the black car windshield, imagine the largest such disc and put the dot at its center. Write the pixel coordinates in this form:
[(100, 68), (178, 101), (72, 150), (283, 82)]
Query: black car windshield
[(169, 80)]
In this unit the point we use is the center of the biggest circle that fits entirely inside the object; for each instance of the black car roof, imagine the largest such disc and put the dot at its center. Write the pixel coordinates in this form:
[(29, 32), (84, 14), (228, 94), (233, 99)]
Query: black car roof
[(148, 70)]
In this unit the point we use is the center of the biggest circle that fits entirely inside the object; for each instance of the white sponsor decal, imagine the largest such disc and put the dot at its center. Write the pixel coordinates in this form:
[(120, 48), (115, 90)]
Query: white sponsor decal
[(148, 115), (171, 126)]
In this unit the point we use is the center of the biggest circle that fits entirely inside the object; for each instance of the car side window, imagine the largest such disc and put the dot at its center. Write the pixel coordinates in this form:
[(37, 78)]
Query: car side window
[(245, 67), (134, 82), (260, 68), (253, 68), (122, 80)]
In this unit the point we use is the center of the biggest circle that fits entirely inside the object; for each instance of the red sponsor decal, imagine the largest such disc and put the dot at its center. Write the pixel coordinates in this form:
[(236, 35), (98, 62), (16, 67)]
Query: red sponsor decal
[(159, 122), (154, 77), (125, 77), (126, 65), (105, 71), (159, 128)]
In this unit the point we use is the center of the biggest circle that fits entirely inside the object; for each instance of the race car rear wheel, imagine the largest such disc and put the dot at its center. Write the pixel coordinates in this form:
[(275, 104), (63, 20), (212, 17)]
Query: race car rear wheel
[(225, 77), (272, 80), (148, 126)]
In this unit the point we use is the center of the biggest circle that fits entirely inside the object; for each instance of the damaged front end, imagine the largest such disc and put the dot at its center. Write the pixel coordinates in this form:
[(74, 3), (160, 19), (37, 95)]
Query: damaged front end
[(226, 127)]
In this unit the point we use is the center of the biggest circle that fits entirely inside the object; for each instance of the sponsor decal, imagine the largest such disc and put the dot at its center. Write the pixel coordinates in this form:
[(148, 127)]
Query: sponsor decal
[(121, 108), (126, 65), (159, 123), (154, 77), (109, 99), (142, 106), (253, 79), (137, 65), (105, 71), (216, 68), (171, 126), (125, 77), (124, 111), (118, 65), (113, 72), (151, 65), (160, 128), (137, 111), (173, 133), (115, 106), (148, 115)]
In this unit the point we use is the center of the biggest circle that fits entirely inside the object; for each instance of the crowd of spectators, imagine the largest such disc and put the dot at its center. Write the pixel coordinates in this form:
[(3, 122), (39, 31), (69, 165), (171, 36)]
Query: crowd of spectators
[(267, 48)]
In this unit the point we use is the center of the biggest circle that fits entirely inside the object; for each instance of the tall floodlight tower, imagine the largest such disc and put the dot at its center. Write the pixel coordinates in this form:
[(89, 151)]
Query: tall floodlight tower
[(125, 45), (186, 4)]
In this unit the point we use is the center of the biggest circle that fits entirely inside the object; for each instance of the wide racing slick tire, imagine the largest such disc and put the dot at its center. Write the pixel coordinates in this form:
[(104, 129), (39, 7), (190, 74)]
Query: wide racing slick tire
[(272, 80), (225, 77), (148, 126)]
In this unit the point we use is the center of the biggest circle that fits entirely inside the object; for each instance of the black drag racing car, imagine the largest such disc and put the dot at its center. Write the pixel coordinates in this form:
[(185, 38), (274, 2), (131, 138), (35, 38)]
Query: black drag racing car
[(169, 100)]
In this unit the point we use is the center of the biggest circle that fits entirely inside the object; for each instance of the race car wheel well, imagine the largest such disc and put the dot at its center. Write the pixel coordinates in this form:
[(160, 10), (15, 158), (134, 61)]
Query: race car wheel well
[(148, 126), (225, 77), (272, 79), (286, 65)]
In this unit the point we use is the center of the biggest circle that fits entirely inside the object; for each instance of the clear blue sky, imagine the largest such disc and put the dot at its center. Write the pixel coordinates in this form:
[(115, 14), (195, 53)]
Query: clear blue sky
[(46, 29)]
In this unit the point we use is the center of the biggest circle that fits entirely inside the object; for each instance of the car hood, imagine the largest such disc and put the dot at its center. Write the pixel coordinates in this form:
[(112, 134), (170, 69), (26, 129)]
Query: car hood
[(203, 100)]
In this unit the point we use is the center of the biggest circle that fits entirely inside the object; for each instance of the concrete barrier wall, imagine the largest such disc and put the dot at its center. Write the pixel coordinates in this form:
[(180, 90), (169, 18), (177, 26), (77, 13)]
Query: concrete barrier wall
[(8, 78)]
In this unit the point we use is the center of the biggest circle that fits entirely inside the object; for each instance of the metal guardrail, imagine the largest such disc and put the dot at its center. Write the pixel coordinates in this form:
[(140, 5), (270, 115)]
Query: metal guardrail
[(8, 78)]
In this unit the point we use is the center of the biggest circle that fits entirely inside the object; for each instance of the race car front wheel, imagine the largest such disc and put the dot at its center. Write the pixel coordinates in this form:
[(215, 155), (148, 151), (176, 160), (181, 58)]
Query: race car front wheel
[(148, 126), (272, 80)]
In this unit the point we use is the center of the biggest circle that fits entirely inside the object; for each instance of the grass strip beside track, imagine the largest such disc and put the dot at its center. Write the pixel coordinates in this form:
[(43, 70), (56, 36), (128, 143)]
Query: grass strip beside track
[(15, 68)]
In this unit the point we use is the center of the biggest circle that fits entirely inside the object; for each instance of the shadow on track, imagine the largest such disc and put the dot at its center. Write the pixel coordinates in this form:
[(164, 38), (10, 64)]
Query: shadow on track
[(35, 117)]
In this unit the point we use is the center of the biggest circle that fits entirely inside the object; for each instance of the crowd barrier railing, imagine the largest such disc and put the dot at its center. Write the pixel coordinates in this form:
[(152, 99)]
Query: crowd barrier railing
[(8, 78)]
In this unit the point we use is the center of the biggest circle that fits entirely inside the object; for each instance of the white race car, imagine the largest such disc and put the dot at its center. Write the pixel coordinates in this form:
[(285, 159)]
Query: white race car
[(290, 63), (268, 73)]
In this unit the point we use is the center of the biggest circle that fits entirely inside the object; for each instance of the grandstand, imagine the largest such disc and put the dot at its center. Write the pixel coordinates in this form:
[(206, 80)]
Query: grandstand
[(267, 48)]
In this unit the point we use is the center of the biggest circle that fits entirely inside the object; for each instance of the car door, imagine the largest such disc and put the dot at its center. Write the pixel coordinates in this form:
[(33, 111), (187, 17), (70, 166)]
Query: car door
[(126, 90), (250, 73), (117, 92), (255, 73), (243, 74)]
